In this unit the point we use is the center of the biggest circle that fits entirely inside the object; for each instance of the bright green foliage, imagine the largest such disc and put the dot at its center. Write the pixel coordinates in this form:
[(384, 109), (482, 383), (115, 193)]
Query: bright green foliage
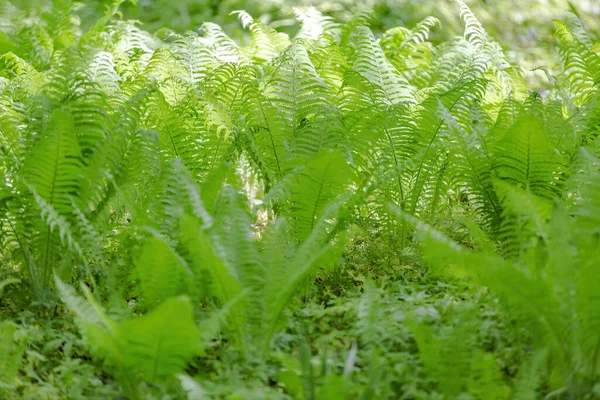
[(549, 285), (10, 355), (232, 209), (151, 348)]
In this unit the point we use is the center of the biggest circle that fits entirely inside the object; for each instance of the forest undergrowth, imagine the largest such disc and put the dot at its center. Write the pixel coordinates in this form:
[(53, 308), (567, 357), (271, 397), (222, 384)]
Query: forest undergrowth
[(333, 215)]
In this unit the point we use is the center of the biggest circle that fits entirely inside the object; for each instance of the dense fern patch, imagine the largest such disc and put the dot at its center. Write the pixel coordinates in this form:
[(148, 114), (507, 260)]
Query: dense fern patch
[(333, 215)]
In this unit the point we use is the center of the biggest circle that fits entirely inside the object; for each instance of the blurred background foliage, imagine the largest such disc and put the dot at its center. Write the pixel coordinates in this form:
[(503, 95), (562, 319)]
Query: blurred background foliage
[(522, 27), (523, 24)]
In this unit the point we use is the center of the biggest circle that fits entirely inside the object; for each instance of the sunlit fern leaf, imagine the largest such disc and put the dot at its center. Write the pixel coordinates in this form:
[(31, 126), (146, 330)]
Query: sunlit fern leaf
[(127, 36), (382, 142), (64, 29), (53, 172), (102, 71), (295, 88), (10, 135), (409, 51), (267, 135), (178, 194), (474, 31), (224, 48), (586, 182), (94, 35), (266, 41), (195, 56), (293, 95), (525, 157), (420, 32), (35, 43), (163, 67), (212, 276), (582, 66), (216, 136), (508, 79), (23, 75), (70, 87), (55, 223), (285, 273), (329, 62), (507, 116), (228, 87), (124, 152), (562, 132), (315, 24), (371, 62), (325, 130), (215, 278)]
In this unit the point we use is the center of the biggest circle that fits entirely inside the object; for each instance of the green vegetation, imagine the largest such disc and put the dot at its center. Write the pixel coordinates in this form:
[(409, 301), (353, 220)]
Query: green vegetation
[(334, 209)]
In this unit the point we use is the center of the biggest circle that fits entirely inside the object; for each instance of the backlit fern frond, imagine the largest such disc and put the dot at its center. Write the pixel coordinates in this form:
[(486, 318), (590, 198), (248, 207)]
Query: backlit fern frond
[(195, 56), (409, 51), (525, 157), (370, 62), (267, 43), (582, 66), (224, 48), (295, 88), (315, 24)]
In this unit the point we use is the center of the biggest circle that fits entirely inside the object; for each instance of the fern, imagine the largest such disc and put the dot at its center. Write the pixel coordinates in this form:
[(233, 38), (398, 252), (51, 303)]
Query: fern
[(526, 158), (152, 348), (11, 353)]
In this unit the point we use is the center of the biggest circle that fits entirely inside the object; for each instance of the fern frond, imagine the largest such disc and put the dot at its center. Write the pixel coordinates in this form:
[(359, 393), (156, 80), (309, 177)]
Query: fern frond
[(295, 88), (308, 190), (11, 353), (266, 41), (54, 165), (525, 157), (152, 348), (224, 48), (161, 272), (314, 24), (195, 56), (158, 345), (582, 66), (370, 61)]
